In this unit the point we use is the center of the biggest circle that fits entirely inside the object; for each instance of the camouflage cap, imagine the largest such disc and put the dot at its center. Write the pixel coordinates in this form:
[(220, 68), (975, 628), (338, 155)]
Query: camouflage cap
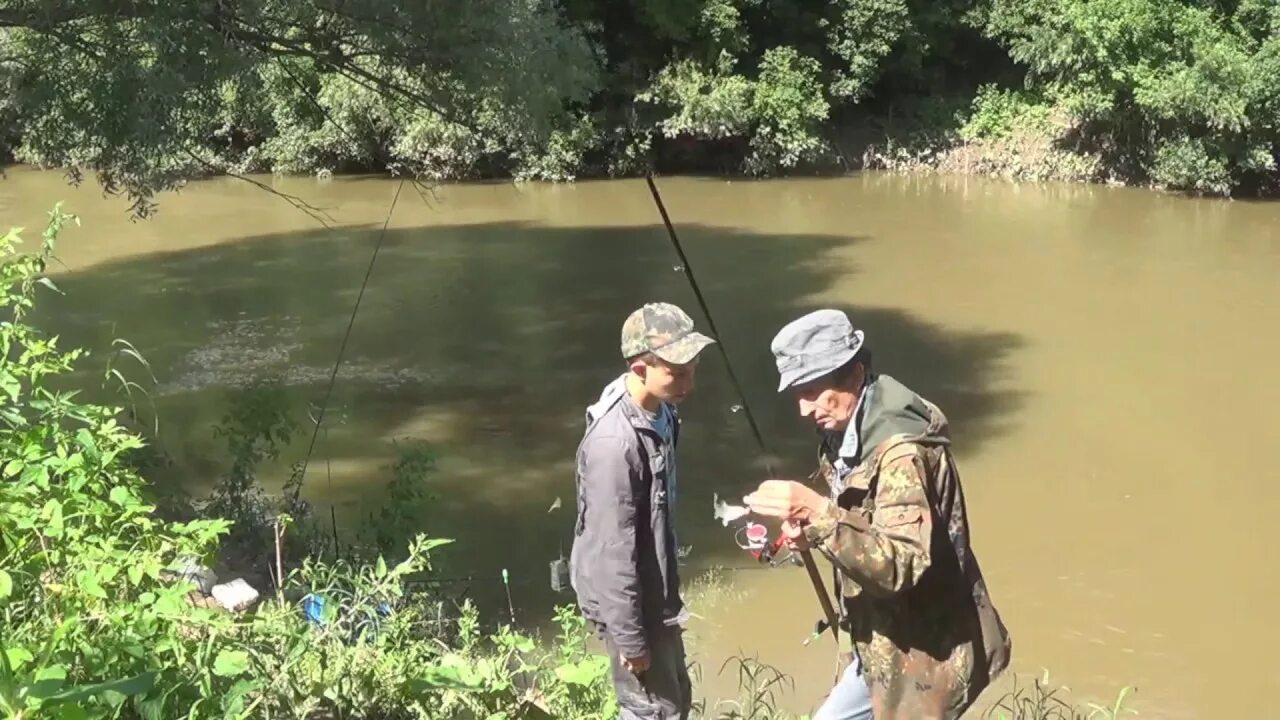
[(665, 330), (814, 345)]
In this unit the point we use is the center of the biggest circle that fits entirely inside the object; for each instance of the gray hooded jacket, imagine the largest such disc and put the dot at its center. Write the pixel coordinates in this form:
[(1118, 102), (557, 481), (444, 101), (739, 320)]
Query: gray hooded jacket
[(623, 562)]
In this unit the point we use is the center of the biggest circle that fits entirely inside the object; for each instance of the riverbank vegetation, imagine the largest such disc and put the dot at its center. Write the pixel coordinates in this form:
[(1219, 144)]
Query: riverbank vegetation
[(105, 609), (1180, 94)]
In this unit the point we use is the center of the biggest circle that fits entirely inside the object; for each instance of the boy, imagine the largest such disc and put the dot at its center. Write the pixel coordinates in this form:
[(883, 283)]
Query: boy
[(623, 561)]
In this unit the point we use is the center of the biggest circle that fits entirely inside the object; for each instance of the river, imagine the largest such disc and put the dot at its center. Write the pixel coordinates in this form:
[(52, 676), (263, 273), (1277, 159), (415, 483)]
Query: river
[(1104, 356)]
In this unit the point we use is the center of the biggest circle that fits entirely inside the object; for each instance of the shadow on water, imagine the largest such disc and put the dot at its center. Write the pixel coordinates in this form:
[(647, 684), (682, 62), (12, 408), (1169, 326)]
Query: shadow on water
[(487, 341)]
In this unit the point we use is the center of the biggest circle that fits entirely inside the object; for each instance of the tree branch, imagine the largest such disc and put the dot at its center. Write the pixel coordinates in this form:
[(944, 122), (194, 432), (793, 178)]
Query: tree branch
[(317, 214), (46, 17)]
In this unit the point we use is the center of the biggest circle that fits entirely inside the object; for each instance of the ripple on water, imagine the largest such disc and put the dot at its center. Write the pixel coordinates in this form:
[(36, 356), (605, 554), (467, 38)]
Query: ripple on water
[(241, 351)]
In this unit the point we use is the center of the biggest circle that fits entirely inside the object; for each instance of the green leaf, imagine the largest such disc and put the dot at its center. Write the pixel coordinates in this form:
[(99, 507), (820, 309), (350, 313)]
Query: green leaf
[(89, 583), (108, 572), (135, 650), (381, 567), (71, 712), (151, 708), (135, 577), (37, 474), (297, 650), (11, 386), (120, 495), (454, 674), (231, 663), (585, 672), (113, 698), (135, 685), (6, 585), (170, 603), (18, 657), (52, 513), (233, 701), (13, 467), (48, 681), (53, 672), (86, 441)]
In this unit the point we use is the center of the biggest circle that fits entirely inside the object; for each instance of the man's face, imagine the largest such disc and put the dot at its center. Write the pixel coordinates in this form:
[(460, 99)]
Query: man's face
[(667, 381), (830, 406)]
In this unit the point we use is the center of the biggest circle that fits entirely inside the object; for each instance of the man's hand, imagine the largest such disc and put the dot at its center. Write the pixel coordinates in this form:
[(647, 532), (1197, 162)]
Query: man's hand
[(636, 665), (785, 499), (794, 533)]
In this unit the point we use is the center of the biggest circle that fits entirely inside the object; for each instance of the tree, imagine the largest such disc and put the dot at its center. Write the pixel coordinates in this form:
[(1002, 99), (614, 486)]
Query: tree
[(138, 90)]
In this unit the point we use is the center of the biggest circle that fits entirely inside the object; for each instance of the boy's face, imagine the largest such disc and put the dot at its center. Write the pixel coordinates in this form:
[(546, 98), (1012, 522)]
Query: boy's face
[(667, 381)]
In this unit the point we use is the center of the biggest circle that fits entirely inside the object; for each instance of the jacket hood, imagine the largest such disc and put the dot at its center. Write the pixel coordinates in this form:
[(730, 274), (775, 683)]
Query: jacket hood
[(890, 409), (608, 396)]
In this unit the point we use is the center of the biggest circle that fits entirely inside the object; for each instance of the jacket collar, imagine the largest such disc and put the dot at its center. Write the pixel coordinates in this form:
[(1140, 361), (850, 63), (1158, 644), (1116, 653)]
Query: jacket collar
[(615, 393)]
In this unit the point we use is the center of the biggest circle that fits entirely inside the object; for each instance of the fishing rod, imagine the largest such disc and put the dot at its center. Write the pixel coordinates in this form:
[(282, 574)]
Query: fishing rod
[(814, 577)]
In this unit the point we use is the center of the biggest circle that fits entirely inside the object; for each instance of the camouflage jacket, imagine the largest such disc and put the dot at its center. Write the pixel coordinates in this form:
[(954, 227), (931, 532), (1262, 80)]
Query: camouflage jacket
[(914, 600)]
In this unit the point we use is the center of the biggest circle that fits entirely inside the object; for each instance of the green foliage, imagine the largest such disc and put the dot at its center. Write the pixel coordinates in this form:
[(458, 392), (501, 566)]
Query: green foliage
[(711, 103), (97, 622), (789, 103), (862, 37), (780, 112), (1185, 162), (759, 685), (139, 92), (403, 506), (1181, 94), (1042, 701), (999, 113), (86, 612)]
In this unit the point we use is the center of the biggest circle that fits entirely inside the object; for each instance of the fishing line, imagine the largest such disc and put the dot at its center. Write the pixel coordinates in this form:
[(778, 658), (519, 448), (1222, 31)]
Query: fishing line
[(342, 349), (805, 555)]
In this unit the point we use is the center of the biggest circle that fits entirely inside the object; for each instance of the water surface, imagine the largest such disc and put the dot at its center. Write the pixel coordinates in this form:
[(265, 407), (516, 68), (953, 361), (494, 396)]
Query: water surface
[(1104, 356)]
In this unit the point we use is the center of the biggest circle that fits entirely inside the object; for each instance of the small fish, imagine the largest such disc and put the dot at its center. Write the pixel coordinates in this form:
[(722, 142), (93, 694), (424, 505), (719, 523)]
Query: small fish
[(555, 505), (727, 513)]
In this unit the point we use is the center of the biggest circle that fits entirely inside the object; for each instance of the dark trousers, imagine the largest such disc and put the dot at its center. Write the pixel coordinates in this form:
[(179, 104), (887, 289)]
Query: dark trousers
[(664, 691)]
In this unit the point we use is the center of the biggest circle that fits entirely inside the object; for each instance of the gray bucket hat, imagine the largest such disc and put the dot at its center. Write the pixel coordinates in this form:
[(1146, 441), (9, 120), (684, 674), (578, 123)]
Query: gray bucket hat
[(814, 345), (665, 330)]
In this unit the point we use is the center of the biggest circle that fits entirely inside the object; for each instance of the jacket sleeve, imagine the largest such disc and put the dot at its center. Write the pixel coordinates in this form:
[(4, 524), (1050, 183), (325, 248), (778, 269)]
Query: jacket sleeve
[(612, 486), (885, 551)]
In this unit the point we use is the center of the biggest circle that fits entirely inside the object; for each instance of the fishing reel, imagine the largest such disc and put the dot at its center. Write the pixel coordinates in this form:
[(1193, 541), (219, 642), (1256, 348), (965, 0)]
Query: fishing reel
[(754, 538)]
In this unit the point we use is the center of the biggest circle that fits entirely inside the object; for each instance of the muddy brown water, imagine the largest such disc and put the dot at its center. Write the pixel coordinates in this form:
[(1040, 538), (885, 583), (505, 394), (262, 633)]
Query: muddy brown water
[(1106, 358)]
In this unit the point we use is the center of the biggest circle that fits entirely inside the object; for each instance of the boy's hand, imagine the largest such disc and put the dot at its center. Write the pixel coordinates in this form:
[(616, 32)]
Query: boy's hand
[(636, 665)]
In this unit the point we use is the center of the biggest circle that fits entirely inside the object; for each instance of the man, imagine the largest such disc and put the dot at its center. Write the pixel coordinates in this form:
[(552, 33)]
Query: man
[(927, 638), (623, 561)]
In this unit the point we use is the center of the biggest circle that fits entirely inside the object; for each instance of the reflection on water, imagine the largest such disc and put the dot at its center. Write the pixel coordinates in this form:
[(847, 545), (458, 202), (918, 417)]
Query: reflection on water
[(1102, 355)]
